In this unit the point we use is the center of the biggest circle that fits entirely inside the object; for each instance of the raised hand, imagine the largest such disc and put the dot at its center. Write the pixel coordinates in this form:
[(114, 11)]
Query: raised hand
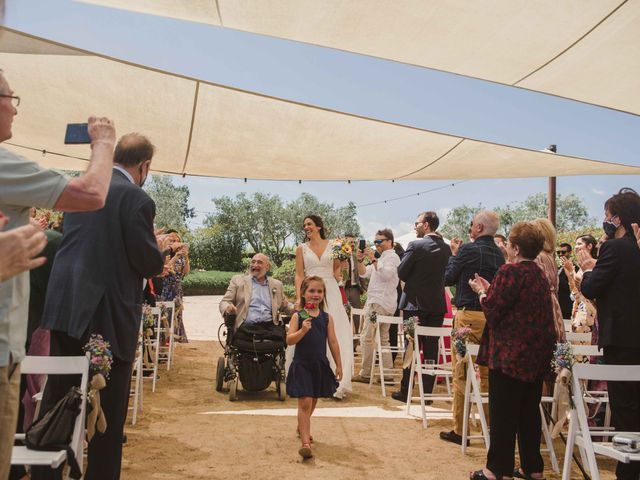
[(101, 130), (455, 245), (585, 260), (21, 246), (636, 232)]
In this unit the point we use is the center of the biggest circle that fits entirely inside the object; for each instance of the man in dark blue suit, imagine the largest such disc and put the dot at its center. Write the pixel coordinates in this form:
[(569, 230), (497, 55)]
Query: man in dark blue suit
[(422, 269), (614, 282), (96, 287)]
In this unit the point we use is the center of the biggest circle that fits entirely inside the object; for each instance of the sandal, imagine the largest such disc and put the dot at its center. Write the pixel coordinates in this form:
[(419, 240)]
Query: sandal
[(478, 475), (305, 451), (519, 473)]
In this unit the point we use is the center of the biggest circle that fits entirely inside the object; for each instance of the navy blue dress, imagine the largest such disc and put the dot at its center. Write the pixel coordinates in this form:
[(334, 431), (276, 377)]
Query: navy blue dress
[(310, 374)]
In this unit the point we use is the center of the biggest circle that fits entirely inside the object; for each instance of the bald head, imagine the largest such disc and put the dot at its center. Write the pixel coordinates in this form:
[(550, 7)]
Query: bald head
[(485, 222), (133, 149)]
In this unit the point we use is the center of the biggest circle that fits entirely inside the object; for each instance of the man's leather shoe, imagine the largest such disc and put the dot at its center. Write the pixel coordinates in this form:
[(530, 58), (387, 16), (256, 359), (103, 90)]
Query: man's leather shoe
[(360, 379), (400, 396), (452, 437)]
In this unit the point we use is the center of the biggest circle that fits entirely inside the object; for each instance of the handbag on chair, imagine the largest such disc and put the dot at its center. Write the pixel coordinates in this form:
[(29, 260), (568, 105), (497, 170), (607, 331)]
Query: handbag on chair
[(53, 431)]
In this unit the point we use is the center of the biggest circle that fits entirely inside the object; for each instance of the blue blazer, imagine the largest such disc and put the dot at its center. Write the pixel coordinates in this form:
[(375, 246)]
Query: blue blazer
[(96, 280)]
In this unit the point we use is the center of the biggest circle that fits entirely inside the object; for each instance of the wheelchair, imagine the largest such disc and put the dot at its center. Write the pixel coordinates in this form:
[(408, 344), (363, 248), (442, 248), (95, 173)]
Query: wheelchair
[(254, 356)]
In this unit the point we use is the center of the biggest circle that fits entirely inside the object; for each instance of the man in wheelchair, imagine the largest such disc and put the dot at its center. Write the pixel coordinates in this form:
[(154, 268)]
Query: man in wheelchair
[(256, 343)]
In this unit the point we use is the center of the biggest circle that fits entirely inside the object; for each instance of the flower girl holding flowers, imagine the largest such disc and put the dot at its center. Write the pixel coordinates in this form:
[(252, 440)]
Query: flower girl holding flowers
[(310, 375)]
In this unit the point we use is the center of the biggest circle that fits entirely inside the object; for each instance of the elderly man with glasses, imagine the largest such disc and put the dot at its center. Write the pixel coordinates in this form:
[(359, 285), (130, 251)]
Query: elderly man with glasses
[(24, 184), (382, 297)]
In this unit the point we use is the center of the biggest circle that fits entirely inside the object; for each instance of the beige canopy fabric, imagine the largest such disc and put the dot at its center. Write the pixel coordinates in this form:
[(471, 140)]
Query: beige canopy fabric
[(577, 49), (200, 128)]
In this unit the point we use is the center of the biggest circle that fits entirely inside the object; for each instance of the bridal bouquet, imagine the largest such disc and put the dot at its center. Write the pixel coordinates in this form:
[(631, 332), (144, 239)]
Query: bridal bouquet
[(341, 249), (100, 357)]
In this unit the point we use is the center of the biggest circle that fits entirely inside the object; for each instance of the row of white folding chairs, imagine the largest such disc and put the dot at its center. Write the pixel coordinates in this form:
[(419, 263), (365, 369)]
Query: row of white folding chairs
[(580, 434), (79, 365)]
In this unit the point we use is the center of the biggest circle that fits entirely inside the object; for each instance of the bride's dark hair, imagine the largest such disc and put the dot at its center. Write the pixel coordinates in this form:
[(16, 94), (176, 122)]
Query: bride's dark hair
[(318, 223)]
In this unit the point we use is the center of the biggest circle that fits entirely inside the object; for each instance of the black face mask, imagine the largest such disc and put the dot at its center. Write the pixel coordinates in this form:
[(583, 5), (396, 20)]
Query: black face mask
[(610, 228)]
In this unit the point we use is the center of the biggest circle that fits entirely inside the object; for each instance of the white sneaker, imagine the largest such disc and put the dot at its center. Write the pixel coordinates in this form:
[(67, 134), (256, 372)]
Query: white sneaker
[(339, 395)]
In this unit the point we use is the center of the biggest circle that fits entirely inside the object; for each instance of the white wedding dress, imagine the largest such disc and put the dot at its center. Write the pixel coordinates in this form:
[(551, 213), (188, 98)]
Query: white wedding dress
[(323, 267)]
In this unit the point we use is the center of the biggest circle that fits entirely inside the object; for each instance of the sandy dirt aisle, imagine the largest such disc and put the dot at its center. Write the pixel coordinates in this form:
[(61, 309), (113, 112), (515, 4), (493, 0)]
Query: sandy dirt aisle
[(182, 435)]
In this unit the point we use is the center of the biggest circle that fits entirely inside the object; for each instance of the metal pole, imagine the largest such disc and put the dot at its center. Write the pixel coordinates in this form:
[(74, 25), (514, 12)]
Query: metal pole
[(552, 192)]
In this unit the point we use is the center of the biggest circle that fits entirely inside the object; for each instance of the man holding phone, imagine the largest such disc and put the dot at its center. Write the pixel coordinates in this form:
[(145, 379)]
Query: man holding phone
[(24, 184), (382, 297)]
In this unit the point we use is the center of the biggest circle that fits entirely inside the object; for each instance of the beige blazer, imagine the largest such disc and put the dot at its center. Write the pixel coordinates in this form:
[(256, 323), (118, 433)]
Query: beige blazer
[(239, 294)]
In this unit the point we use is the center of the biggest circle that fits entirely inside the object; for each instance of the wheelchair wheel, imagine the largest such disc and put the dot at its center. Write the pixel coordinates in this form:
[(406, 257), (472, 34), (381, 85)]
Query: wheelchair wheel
[(233, 390), (220, 374), (282, 390)]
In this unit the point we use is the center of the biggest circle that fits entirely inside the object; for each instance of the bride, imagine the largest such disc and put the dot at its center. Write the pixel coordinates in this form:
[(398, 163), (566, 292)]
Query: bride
[(314, 258)]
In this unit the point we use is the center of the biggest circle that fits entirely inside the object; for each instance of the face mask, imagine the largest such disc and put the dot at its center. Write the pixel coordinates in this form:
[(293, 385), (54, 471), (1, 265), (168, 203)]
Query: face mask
[(609, 228), (141, 180)]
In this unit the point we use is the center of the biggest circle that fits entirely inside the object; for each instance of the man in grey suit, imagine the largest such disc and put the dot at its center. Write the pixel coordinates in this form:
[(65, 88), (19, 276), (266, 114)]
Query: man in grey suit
[(255, 298), (96, 287)]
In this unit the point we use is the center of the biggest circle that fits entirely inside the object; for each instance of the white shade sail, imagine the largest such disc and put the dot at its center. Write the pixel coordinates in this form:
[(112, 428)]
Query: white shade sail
[(577, 49), (200, 128)]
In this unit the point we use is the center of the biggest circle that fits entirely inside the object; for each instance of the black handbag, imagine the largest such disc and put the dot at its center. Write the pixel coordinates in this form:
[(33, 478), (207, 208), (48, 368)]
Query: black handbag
[(53, 431)]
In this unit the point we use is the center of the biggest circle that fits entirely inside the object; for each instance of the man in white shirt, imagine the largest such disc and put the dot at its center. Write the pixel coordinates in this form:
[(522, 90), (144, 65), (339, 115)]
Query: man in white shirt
[(382, 297)]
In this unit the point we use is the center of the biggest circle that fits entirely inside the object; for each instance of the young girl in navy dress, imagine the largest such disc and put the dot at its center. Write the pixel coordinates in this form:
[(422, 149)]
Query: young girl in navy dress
[(310, 375)]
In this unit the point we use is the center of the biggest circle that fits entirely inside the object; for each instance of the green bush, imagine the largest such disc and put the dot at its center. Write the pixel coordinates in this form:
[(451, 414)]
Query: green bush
[(286, 273), (206, 282)]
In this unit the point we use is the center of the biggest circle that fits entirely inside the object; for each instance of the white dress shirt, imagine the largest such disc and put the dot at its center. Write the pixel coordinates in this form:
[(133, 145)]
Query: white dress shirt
[(383, 281)]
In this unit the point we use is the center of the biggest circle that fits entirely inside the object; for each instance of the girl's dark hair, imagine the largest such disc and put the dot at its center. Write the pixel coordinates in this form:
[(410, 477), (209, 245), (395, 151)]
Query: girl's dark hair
[(399, 249), (318, 223), (590, 239), (305, 285)]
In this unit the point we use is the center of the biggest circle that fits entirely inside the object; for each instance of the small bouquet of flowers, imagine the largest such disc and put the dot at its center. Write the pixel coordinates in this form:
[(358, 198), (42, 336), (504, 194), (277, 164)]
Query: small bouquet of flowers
[(373, 316), (341, 249), (409, 326), (459, 338), (147, 317), (304, 314), (563, 358), (100, 357)]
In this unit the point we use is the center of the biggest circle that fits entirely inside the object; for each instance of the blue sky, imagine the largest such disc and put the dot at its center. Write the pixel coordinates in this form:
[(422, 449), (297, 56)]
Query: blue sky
[(356, 84)]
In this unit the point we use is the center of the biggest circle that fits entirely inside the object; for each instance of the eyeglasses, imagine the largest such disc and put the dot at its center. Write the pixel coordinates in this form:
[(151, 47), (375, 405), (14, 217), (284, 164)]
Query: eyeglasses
[(378, 242), (15, 101), (562, 252), (417, 223)]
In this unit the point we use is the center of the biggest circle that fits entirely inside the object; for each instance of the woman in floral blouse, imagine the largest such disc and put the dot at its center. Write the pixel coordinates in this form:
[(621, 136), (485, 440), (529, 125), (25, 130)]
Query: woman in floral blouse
[(175, 268), (517, 346)]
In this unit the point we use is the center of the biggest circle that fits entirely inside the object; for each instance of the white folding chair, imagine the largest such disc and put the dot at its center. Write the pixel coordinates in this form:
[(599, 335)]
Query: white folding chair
[(574, 337), (136, 390), (151, 344), (165, 353), (357, 334), (473, 396), (437, 369), (21, 455), (567, 324), (395, 374), (579, 432)]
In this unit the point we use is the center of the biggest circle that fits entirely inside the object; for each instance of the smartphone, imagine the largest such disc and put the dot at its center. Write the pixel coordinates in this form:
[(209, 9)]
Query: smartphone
[(77, 133), (362, 244)]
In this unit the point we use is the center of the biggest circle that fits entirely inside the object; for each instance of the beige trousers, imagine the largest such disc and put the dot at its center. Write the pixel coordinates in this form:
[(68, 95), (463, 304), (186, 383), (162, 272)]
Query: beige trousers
[(368, 337), (476, 322), (9, 391)]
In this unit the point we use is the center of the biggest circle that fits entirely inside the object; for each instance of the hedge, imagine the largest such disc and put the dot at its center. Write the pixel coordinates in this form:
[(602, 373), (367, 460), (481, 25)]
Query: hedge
[(207, 282)]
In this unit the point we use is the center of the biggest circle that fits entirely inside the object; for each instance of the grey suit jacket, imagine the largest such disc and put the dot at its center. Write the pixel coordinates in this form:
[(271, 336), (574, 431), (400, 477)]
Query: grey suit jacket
[(239, 294)]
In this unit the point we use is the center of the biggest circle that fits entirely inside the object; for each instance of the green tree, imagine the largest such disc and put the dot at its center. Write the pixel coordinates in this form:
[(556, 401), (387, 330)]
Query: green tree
[(214, 248), (172, 203), (270, 226), (572, 214), (458, 220)]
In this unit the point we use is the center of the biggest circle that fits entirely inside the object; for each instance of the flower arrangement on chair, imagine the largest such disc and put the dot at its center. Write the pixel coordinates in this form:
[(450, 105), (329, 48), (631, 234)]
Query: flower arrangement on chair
[(409, 327), (100, 361)]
